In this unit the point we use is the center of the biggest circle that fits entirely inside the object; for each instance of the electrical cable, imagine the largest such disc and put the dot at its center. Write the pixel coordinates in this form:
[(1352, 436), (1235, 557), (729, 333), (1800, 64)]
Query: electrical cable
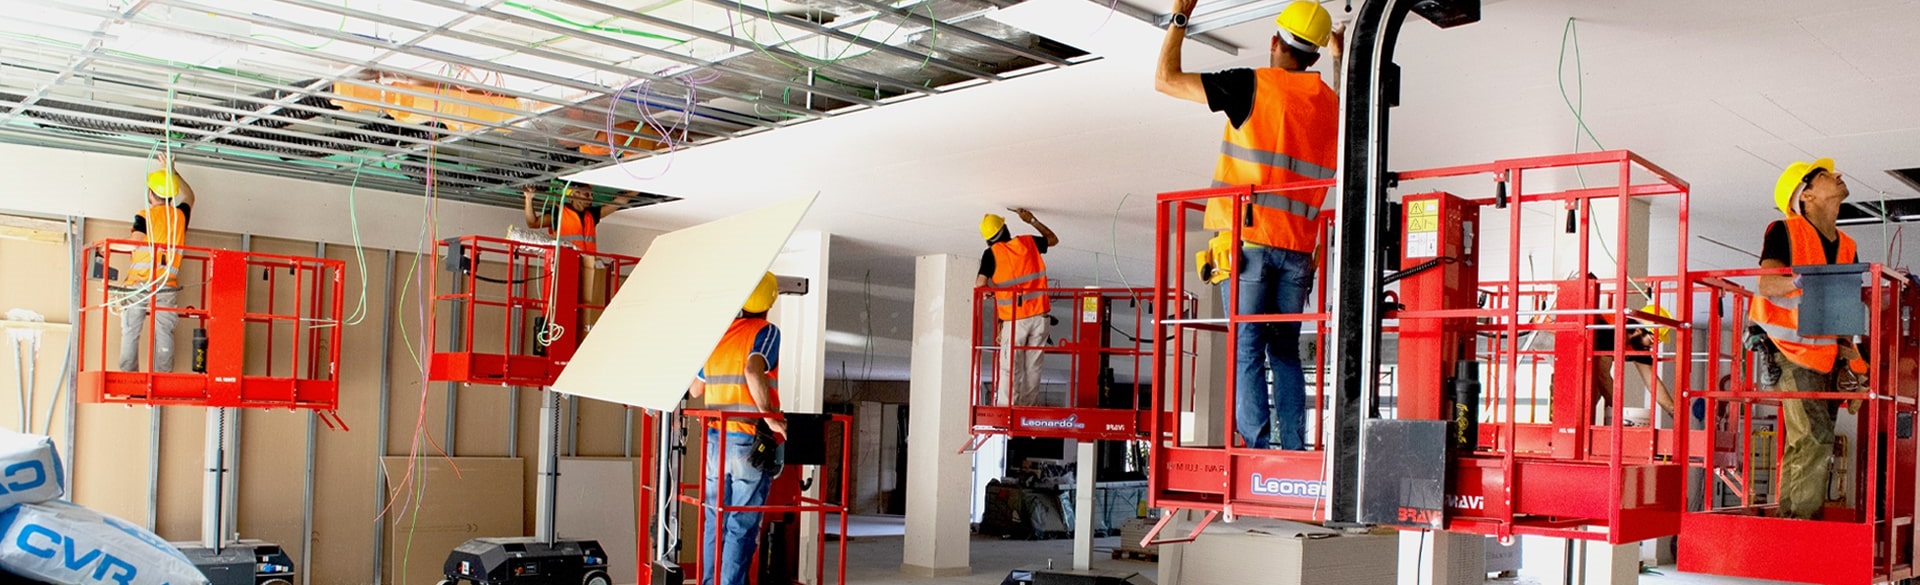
[(359, 253), (1113, 232), (1580, 127), (584, 27)]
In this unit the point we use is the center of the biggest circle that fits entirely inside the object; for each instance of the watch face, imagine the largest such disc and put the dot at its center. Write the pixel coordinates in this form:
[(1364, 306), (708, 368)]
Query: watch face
[(1179, 20)]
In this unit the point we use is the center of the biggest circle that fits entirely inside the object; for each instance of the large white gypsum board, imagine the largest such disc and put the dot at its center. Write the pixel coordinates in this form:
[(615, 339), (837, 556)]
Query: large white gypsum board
[(672, 310)]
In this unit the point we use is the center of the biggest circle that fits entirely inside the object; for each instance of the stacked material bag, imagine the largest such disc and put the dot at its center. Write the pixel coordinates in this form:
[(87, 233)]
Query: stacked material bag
[(46, 539)]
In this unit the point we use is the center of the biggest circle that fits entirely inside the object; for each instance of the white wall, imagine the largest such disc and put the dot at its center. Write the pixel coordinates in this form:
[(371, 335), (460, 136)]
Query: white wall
[(101, 186)]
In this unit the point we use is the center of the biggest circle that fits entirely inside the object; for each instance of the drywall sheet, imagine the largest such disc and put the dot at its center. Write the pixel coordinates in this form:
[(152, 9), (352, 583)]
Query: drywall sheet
[(674, 307), (596, 501), (483, 498)]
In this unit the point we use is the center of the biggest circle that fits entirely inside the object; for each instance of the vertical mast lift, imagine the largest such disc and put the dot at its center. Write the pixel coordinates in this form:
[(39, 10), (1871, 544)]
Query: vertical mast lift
[(218, 292)]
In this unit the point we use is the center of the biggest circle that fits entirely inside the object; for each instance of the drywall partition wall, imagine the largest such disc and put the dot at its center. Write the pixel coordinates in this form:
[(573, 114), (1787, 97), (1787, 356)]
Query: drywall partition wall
[(595, 500), (449, 501), (660, 328)]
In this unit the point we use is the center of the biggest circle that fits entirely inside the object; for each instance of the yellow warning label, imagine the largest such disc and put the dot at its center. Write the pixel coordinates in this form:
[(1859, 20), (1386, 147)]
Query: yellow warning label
[(1089, 309), (1423, 216)]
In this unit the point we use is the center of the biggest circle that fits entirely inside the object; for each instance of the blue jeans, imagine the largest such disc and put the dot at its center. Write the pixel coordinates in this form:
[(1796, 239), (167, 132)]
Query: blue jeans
[(1272, 281), (746, 486)]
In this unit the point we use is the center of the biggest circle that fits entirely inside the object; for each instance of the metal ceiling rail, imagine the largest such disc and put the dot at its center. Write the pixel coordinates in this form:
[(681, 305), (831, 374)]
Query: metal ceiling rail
[(715, 36), (1160, 21), (528, 50), (953, 27), (350, 71), (85, 58), (695, 62), (1233, 16), (415, 74), (803, 24), (206, 91)]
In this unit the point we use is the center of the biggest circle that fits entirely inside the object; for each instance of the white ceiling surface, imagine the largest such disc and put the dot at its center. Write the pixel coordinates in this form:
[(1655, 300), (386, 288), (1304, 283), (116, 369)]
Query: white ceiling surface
[(1722, 94)]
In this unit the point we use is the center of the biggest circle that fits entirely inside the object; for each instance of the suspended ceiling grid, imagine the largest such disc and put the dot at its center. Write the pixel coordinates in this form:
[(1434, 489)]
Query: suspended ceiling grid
[(484, 96)]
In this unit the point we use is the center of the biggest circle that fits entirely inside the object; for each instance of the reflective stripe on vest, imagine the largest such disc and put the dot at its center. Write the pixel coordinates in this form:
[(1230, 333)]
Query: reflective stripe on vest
[(726, 374), (1017, 265), (166, 231), (1779, 316), (578, 229), (1290, 135)]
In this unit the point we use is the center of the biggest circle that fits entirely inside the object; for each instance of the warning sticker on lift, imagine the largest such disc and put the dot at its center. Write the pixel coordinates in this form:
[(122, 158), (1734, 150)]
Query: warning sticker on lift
[(1089, 309), (1423, 228)]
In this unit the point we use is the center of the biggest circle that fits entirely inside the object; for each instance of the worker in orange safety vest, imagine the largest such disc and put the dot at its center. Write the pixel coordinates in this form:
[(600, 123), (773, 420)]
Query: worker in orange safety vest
[(1810, 195), (742, 375), (152, 283), (577, 222), (1014, 263), (1282, 126)]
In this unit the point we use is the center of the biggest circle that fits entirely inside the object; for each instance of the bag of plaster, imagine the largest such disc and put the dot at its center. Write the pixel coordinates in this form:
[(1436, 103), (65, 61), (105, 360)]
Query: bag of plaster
[(66, 544), (29, 469)]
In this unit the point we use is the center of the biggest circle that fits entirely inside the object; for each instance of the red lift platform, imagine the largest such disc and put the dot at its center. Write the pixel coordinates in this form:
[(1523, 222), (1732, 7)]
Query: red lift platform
[(271, 326), (517, 310), (670, 487), (1513, 467), (1866, 532), (1106, 333)]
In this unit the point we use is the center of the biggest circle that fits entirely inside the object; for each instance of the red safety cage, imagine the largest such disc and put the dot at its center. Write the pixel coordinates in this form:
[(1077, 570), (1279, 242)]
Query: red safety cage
[(1514, 465), (1865, 531), (1104, 336), (511, 313), (672, 489), (263, 329)]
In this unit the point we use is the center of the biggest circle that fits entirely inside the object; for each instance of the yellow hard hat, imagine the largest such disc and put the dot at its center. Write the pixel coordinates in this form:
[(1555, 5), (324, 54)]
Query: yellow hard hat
[(163, 184), (1663, 331), (1789, 183), (991, 225), (1308, 21), (762, 297)]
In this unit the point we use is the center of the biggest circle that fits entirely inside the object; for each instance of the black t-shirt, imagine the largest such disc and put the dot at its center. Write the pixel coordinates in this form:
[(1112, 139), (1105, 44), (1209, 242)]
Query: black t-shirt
[(1779, 245), (986, 258), (1231, 92), (140, 220)]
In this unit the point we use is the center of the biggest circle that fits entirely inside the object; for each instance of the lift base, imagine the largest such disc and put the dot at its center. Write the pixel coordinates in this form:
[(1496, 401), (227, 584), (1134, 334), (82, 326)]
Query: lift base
[(527, 561), (246, 562)]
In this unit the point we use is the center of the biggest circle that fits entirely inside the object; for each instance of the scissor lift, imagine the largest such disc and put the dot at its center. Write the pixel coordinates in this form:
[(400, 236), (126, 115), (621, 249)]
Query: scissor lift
[(271, 328), (1866, 534), (516, 311), (1106, 334), (1507, 470)]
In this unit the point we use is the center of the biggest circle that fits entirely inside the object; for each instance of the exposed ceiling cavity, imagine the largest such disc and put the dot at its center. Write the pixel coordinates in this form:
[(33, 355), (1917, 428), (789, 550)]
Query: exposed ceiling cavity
[(477, 98)]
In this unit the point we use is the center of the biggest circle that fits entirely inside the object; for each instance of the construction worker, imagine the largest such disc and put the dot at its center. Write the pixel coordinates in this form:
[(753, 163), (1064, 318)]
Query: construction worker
[(1015, 263), (153, 278), (741, 376), (1639, 339), (1282, 126), (578, 220), (1810, 195)]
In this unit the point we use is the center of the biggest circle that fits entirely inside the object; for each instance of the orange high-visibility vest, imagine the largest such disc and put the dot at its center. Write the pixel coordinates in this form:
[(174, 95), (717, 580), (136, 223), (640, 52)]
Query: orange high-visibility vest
[(1780, 316), (1017, 265), (726, 373), (578, 229), (1292, 134), (166, 232)]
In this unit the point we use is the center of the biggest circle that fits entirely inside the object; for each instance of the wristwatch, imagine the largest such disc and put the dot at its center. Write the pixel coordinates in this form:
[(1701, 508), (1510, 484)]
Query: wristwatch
[(1178, 20)]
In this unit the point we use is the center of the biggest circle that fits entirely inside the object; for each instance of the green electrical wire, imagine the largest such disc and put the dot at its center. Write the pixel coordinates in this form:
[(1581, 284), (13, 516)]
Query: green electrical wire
[(537, 11)]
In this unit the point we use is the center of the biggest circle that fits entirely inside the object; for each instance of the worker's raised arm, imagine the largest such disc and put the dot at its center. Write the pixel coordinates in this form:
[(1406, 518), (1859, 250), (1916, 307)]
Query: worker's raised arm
[(1027, 216), (534, 220), (185, 194), (1169, 78), (619, 201), (1775, 285), (761, 388)]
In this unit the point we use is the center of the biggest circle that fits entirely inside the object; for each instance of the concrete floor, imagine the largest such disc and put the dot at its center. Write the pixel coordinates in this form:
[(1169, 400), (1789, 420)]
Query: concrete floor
[(877, 560)]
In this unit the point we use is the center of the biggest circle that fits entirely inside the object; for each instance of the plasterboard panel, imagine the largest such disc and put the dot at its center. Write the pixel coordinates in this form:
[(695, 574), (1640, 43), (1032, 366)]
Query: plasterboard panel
[(481, 498), (675, 306), (596, 499)]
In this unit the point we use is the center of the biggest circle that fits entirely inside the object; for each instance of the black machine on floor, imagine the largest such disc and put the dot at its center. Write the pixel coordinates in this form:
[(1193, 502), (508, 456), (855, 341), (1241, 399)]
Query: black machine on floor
[(527, 561), (244, 562), (1071, 577)]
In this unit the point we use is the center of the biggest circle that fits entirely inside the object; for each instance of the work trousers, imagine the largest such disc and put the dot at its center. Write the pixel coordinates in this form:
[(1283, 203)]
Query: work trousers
[(745, 485), (1272, 281), (1808, 424), (1019, 374), (134, 321)]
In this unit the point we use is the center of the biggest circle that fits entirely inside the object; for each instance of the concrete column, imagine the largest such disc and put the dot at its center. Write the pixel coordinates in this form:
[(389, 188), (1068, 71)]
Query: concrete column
[(937, 485), (803, 357), (1608, 564), (1083, 512), (1442, 558)]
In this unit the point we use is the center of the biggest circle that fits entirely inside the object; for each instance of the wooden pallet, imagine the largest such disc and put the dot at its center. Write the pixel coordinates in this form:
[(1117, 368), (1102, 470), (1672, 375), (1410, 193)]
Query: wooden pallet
[(1135, 554)]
